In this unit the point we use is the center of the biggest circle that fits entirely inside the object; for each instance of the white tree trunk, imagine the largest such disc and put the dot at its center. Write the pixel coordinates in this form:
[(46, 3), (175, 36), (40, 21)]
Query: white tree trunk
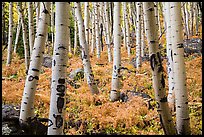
[(98, 46), (10, 35), (25, 40), (52, 24), (127, 28), (27, 103), (17, 33), (69, 36), (170, 69), (157, 69), (86, 21), (187, 19), (85, 54), (107, 32), (182, 112), (142, 33), (75, 33), (115, 93), (138, 36), (31, 26), (93, 44), (59, 70), (37, 13)]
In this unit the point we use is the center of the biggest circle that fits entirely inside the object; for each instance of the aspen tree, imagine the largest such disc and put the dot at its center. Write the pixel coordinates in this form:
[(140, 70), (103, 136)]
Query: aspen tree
[(59, 67), (170, 69), (27, 103), (127, 28), (98, 49), (25, 40), (184, 19), (17, 33), (181, 97), (93, 44), (142, 33), (124, 27), (115, 93), (138, 36), (37, 13), (107, 32), (52, 23), (10, 35), (84, 51), (75, 34), (31, 26), (3, 23), (187, 19), (157, 69), (86, 21)]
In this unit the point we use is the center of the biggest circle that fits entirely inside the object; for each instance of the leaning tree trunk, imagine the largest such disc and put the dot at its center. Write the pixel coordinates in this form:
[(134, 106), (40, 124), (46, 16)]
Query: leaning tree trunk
[(182, 112), (127, 29), (157, 70), (170, 69), (25, 40), (85, 54), (17, 33), (138, 36), (27, 103), (10, 36), (115, 93), (107, 32), (59, 68), (31, 26)]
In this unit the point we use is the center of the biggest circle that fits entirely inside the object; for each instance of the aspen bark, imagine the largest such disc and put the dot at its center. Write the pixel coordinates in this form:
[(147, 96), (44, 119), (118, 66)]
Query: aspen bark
[(69, 36), (27, 103), (75, 34), (98, 48), (86, 21), (17, 33), (107, 32), (37, 13), (31, 26), (59, 68), (93, 44), (85, 54), (157, 69), (181, 96), (115, 93), (25, 40), (127, 28), (52, 23), (170, 69), (138, 36), (10, 35), (143, 45)]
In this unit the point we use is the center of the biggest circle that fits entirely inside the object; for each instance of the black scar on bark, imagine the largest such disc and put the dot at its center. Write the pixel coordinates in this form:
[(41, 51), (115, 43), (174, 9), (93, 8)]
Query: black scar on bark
[(162, 124), (60, 88), (40, 35), (37, 56), (153, 61), (162, 81), (33, 69), (54, 62), (164, 99), (58, 120), (171, 55), (61, 47), (61, 80), (180, 45), (61, 94), (60, 104), (57, 54), (30, 78)]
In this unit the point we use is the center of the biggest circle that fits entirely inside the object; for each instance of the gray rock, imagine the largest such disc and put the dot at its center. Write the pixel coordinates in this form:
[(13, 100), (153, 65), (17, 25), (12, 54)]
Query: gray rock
[(47, 61), (77, 74), (193, 45)]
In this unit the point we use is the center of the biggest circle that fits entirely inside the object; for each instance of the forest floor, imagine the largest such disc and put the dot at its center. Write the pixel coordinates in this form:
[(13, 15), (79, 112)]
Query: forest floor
[(95, 114)]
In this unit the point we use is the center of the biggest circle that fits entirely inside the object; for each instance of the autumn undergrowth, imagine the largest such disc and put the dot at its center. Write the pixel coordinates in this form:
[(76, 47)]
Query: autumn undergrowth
[(88, 114)]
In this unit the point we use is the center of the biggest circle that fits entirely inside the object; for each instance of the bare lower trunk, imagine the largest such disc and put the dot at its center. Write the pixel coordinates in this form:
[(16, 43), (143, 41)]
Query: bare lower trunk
[(181, 97), (27, 103), (84, 51), (31, 26), (115, 93), (59, 68), (157, 70)]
